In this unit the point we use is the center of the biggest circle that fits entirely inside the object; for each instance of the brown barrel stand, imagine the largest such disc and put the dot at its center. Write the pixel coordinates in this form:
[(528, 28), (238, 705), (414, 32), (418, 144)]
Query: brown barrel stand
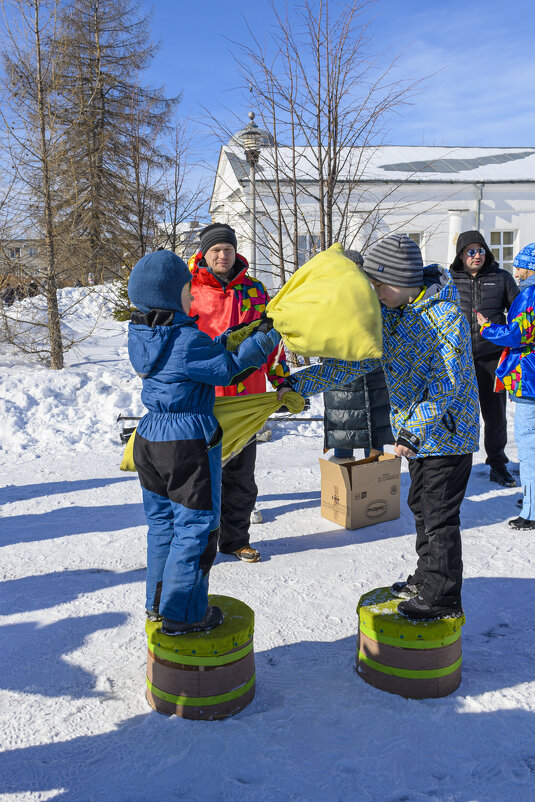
[(203, 675), (415, 659)]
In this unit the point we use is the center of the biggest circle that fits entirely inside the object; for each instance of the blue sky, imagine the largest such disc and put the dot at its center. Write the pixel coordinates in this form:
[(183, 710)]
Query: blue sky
[(480, 56)]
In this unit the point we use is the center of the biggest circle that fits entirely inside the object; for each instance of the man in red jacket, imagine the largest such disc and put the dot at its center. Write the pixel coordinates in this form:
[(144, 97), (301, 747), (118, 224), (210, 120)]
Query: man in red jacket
[(225, 296)]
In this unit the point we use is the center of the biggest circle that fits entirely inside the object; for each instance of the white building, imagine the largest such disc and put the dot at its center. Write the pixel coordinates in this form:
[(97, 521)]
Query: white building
[(430, 193)]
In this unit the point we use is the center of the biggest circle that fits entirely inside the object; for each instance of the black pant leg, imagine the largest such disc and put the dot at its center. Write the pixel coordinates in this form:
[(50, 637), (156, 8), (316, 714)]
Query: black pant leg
[(238, 497), (493, 411), (443, 487), (416, 470)]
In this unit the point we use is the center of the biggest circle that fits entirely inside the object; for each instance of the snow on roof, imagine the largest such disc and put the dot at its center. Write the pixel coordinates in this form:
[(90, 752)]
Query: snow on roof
[(403, 163)]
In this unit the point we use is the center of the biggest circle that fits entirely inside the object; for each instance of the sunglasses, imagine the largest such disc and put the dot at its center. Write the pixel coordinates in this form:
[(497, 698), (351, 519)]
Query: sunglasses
[(473, 251)]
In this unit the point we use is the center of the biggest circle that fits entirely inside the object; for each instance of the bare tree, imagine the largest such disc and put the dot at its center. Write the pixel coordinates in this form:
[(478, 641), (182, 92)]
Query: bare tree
[(184, 199), (326, 102), (34, 134)]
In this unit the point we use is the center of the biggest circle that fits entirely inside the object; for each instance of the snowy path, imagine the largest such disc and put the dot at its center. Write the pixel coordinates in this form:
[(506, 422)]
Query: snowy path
[(74, 721)]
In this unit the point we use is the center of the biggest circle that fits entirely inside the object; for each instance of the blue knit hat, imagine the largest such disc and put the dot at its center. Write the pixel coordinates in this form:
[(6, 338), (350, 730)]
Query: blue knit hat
[(525, 259), (157, 280)]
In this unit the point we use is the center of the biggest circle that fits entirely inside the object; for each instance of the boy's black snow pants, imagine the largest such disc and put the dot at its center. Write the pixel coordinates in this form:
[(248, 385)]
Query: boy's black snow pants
[(238, 497), (438, 485)]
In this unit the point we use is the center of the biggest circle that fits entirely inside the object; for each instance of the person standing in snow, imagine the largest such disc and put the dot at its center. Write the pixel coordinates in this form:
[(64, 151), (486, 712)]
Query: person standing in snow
[(486, 288), (358, 414), (227, 296), (177, 449), (516, 371), (429, 371)]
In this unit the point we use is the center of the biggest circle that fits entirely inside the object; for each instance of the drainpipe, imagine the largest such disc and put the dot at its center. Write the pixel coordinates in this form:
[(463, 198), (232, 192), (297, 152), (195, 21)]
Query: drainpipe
[(479, 186)]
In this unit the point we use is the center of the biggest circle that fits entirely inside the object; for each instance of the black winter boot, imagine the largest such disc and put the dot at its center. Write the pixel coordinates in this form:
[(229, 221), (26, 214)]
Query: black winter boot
[(419, 610), (212, 618), (521, 523), (404, 590), (500, 474)]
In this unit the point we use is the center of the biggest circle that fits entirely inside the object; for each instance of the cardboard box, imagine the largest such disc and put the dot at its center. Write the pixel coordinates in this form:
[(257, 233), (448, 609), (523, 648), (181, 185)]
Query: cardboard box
[(357, 493)]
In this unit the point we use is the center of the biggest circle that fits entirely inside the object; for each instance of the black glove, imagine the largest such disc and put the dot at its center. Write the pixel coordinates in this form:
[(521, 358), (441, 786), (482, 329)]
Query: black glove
[(266, 324)]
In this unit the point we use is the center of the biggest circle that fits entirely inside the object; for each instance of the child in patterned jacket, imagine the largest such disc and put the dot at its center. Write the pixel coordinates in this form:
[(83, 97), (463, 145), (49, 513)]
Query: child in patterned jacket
[(516, 371), (429, 371)]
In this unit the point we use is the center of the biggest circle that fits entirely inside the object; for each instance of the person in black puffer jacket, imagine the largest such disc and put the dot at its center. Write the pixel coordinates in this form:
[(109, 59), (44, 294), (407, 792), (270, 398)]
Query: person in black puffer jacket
[(484, 287), (358, 415)]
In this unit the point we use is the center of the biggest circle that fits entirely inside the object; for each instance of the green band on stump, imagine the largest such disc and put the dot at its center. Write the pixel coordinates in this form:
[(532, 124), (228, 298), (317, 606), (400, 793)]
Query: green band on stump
[(201, 701), (404, 672), (379, 619), (236, 630), (408, 644), (194, 660)]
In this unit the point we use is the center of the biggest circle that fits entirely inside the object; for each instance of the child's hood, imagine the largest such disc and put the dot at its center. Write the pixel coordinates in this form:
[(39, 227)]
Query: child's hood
[(149, 334), (439, 286)]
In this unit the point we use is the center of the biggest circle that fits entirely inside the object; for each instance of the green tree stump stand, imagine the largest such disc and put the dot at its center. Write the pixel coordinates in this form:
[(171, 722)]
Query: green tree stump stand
[(415, 659), (203, 675)]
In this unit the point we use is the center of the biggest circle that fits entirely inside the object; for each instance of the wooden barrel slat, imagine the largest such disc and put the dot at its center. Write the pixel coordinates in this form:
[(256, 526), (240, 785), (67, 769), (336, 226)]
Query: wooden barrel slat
[(415, 659), (217, 676), (217, 680), (421, 688), (211, 713), (397, 657)]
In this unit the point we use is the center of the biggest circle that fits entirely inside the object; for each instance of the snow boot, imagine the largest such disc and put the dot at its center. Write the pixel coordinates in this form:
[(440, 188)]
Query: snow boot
[(404, 590), (500, 475), (256, 516), (247, 555), (419, 610), (521, 523), (153, 615), (212, 618)]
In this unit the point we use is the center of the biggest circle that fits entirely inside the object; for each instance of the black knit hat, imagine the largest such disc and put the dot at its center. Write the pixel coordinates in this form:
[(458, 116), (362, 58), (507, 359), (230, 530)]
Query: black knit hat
[(216, 233), (395, 260)]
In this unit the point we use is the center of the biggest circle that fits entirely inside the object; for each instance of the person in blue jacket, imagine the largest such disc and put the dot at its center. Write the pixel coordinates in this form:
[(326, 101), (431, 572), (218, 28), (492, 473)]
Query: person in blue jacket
[(177, 449), (434, 414), (516, 371)]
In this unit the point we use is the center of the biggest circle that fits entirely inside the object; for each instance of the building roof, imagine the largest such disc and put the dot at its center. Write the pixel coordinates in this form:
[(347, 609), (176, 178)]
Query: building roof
[(401, 163)]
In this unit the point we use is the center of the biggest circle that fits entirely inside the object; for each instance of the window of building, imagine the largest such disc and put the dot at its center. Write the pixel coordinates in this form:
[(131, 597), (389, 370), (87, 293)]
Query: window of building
[(33, 251), (307, 246), (502, 246), (14, 253), (416, 237)]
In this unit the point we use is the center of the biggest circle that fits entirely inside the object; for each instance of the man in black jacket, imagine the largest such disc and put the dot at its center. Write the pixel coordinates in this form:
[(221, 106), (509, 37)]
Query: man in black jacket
[(484, 287)]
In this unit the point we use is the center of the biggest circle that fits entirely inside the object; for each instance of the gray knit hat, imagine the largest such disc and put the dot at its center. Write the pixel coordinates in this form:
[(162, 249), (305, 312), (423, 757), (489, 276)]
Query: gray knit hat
[(395, 260)]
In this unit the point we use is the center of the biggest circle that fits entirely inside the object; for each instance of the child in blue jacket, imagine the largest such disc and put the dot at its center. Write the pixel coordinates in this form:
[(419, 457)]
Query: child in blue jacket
[(516, 371), (177, 450), (429, 372)]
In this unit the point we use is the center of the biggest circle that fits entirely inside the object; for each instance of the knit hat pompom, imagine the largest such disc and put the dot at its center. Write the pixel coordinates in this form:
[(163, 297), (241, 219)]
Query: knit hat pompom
[(525, 259), (395, 260), (215, 234), (157, 281)]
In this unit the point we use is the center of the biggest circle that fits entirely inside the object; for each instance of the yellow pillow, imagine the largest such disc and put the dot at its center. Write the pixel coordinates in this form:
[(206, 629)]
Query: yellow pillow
[(328, 308), (240, 417)]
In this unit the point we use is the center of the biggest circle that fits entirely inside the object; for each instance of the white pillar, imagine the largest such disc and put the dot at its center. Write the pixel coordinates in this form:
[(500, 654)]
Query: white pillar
[(456, 227)]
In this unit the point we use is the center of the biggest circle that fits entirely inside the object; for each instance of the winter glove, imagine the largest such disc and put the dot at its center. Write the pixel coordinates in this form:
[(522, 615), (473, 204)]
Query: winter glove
[(293, 402), (237, 334), (266, 323)]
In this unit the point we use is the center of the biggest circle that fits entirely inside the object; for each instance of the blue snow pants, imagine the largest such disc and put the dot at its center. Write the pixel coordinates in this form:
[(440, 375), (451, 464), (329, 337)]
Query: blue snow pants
[(525, 443), (181, 484)]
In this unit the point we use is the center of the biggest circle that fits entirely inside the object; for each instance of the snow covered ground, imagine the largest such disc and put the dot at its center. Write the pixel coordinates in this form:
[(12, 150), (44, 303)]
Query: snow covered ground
[(73, 719)]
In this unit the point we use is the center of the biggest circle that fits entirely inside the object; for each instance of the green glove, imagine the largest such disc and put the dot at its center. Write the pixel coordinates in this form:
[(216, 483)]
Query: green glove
[(239, 334)]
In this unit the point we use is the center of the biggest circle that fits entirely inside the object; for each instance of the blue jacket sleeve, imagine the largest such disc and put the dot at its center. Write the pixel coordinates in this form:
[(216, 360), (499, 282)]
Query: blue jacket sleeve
[(519, 331), (329, 374), (208, 362)]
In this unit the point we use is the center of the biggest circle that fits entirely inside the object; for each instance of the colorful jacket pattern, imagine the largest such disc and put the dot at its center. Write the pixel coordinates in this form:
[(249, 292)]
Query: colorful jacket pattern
[(219, 307), (516, 369), (428, 366)]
